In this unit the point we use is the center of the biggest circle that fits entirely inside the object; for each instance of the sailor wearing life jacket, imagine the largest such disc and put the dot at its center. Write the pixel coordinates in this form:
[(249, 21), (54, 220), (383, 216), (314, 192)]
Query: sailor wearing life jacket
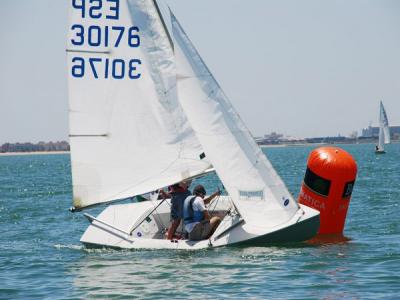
[(198, 222), (178, 194)]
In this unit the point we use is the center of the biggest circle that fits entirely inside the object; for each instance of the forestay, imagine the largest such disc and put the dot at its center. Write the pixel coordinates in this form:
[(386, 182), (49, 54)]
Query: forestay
[(256, 189), (128, 133)]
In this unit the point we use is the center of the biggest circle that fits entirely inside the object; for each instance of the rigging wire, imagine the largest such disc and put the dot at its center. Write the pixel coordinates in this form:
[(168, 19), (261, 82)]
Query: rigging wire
[(156, 211)]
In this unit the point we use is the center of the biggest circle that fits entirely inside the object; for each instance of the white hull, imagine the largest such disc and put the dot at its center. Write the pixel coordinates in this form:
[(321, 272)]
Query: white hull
[(113, 225)]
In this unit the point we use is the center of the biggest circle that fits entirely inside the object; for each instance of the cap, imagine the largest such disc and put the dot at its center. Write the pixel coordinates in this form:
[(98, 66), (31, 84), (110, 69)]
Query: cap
[(199, 190)]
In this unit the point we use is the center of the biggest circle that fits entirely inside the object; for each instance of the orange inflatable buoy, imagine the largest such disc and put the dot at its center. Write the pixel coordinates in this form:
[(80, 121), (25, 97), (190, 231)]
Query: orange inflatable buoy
[(327, 186)]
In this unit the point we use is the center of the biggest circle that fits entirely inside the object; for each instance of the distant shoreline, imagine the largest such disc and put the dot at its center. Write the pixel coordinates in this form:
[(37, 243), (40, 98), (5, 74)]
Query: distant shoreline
[(33, 153), (322, 144), (291, 145), (261, 146)]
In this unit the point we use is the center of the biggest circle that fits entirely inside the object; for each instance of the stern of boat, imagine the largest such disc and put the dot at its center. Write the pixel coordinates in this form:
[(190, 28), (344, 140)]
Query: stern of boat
[(303, 226)]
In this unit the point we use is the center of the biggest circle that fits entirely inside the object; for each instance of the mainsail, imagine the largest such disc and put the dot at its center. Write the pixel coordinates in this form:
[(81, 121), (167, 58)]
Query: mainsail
[(256, 189), (128, 132)]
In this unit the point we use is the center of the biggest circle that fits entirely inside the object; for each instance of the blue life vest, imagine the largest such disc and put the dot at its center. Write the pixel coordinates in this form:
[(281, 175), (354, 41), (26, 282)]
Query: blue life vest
[(189, 214)]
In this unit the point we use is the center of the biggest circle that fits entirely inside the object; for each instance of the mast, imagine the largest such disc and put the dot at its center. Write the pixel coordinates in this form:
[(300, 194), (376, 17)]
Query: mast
[(163, 23)]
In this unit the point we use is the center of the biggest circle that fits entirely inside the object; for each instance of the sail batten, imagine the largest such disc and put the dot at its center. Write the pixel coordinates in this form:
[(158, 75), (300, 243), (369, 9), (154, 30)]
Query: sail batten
[(87, 51)]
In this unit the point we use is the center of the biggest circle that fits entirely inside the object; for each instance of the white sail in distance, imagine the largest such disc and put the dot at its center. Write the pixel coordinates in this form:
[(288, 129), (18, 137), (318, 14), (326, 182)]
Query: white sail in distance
[(128, 133), (255, 187), (384, 124)]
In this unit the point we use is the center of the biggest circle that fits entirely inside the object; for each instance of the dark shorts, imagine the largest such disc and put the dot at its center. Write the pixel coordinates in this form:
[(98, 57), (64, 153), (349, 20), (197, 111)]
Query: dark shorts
[(176, 209), (200, 231)]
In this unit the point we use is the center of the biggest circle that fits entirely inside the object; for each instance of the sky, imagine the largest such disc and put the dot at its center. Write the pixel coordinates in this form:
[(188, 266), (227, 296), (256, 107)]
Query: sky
[(302, 68)]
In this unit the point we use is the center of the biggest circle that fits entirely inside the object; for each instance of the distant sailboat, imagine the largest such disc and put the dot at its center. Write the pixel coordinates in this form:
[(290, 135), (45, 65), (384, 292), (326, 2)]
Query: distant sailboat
[(384, 131), (146, 113)]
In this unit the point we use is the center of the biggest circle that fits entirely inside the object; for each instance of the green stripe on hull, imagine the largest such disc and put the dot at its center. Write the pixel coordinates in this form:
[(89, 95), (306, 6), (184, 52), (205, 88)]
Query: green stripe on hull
[(298, 232)]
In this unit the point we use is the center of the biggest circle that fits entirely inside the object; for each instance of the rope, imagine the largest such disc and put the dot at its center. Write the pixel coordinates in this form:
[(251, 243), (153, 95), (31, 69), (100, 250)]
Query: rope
[(156, 212), (215, 202), (156, 215)]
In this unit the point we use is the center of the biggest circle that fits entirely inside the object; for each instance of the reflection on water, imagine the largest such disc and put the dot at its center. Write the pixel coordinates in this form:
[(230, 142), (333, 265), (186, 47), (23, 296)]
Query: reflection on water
[(180, 274), (224, 272), (325, 239)]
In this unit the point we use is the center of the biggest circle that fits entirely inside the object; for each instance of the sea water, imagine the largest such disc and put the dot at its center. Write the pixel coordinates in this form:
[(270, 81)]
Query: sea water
[(41, 257)]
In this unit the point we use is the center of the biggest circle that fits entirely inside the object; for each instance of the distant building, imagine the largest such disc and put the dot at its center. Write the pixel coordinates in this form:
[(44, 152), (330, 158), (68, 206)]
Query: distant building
[(373, 132), (273, 138)]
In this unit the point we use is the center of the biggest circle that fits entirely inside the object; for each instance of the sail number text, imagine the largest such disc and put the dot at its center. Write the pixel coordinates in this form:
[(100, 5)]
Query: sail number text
[(98, 36), (105, 68), (99, 39), (97, 9)]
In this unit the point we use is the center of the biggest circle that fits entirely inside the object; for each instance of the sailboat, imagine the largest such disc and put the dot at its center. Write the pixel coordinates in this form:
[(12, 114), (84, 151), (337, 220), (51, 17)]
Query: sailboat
[(384, 131), (145, 112)]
